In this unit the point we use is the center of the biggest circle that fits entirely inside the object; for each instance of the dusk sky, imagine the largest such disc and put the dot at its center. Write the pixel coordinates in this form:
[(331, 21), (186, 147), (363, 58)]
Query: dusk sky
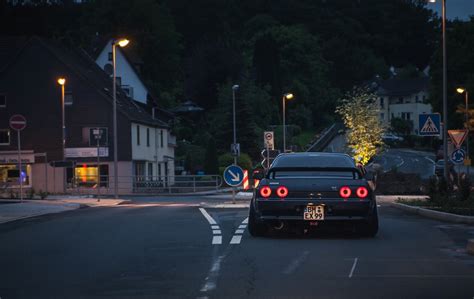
[(460, 9)]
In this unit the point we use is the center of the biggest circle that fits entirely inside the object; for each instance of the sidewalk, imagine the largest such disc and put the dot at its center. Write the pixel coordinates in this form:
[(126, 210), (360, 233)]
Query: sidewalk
[(11, 210)]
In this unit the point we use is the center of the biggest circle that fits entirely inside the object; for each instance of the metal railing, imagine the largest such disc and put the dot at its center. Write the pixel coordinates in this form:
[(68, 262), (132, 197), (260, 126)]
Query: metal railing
[(325, 137), (145, 184)]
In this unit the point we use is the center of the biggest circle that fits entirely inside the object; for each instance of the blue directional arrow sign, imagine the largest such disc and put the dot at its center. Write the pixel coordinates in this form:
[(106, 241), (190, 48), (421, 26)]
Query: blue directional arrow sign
[(458, 156), (429, 124), (233, 175)]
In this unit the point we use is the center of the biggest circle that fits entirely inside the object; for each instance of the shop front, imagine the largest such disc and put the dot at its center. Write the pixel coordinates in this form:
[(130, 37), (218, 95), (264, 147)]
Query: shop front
[(10, 175)]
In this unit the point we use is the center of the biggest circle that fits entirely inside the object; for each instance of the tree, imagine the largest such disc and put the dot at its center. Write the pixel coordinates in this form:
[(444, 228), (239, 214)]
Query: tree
[(211, 164), (359, 112)]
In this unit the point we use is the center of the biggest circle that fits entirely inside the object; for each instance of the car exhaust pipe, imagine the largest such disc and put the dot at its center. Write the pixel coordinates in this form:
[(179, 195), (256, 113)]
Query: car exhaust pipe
[(279, 225)]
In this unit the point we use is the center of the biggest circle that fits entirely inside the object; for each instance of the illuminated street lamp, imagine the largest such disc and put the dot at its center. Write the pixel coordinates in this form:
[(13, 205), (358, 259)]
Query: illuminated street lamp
[(286, 96), (461, 90), (445, 99), (122, 43), (62, 83)]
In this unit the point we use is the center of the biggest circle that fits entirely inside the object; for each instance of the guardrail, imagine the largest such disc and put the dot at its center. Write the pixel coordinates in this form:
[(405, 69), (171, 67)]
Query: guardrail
[(325, 137)]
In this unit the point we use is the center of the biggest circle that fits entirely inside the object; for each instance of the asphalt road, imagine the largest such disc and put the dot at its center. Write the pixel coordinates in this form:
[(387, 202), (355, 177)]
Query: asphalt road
[(407, 161), (163, 248)]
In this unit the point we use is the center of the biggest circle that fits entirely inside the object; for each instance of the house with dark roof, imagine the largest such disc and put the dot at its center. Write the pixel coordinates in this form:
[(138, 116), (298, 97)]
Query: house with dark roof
[(29, 69), (404, 98)]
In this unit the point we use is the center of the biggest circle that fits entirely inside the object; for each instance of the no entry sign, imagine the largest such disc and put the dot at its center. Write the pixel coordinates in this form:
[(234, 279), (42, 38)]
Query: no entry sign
[(17, 122)]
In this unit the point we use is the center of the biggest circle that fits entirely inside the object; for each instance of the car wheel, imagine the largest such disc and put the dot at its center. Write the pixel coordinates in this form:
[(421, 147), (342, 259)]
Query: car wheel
[(371, 227), (256, 228)]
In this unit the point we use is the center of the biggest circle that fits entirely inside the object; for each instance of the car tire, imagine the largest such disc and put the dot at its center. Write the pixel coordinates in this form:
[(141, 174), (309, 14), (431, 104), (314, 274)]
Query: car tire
[(371, 227), (256, 228)]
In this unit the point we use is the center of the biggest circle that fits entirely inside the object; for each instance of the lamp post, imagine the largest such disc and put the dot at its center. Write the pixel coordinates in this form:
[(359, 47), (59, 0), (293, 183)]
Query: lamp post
[(122, 43), (286, 96), (234, 89), (62, 83), (461, 90), (445, 100)]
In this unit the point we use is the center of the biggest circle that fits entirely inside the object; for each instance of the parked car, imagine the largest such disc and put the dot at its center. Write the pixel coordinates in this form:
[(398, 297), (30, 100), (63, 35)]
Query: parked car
[(389, 137)]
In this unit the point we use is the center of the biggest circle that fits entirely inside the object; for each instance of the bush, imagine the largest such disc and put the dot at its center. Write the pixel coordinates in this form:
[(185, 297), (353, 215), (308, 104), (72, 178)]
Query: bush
[(243, 161)]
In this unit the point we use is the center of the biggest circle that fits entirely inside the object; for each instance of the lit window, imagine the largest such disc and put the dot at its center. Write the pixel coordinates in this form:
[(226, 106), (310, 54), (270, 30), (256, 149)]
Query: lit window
[(87, 176)]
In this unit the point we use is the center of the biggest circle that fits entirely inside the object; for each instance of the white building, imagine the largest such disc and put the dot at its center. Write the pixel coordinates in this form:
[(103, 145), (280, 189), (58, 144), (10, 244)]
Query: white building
[(403, 98), (128, 68)]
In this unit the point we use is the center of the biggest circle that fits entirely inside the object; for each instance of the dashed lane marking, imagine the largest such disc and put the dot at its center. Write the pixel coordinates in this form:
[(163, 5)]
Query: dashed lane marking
[(353, 267), (237, 238), (216, 231)]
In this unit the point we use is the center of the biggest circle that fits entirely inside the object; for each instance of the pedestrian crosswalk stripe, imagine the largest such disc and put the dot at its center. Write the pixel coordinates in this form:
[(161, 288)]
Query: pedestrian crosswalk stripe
[(429, 126)]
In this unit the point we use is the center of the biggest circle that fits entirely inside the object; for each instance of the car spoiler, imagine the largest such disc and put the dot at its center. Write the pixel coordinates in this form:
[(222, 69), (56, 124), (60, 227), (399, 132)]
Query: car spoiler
[(347, 169)]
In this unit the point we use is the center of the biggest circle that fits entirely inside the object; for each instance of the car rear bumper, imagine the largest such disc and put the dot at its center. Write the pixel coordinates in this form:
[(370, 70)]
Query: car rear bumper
[(334, 210)]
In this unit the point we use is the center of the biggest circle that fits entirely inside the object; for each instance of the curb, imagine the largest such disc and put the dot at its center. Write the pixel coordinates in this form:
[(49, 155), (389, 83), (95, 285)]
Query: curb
[(226, 205), (443, 216), (470, 246)]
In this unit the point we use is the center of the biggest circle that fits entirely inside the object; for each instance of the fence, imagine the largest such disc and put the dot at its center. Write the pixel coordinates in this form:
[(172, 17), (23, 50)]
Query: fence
[(325, 137), (144, 184)]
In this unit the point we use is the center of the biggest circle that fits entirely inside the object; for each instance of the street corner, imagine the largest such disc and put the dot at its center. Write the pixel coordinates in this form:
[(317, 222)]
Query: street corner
[(94, 202), (33, 208)]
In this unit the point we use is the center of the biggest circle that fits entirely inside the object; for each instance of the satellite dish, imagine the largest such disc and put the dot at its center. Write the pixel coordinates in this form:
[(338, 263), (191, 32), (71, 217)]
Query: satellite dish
[(109, 69)]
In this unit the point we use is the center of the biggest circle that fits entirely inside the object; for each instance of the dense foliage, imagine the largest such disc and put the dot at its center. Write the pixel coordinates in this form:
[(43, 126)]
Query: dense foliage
[(196, 50)]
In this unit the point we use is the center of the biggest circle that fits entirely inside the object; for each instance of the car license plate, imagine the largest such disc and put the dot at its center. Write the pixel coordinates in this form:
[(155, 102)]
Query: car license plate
[(314, 213)]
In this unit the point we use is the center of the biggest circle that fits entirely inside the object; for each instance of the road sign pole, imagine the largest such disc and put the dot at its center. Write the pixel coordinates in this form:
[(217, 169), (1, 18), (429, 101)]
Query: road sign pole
[(98, 170), (19, 165), (268, 157)]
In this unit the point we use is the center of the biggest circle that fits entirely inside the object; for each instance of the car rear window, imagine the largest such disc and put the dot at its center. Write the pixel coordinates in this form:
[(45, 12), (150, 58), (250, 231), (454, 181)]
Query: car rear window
[(313, 160)]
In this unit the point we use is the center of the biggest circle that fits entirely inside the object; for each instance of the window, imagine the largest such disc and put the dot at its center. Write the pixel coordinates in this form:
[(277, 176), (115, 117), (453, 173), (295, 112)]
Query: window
[(118, 81), (3, 100), (416, 99), (400, 100), (381, 102), (150, 171), (138, 135), (148, 137), (4, 137), (87, 176), (110, 57), (382, 116), (161, 137)]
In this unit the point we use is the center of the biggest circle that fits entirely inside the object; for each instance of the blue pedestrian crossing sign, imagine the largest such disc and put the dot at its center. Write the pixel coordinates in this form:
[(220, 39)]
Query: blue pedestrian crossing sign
[(458, 156), (429, 124), (233, 175)]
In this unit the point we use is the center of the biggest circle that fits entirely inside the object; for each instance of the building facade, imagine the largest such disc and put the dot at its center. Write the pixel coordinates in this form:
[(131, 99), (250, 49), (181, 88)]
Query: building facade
[(29, 69)]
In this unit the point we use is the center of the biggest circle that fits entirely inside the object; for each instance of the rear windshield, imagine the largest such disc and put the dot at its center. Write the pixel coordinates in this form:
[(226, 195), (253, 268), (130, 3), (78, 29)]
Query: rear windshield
[(311, 174), (313, 160)]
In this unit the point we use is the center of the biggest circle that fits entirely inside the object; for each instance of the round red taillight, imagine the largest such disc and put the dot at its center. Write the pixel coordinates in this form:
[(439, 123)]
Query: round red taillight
[(362, 192), (282, 192), (265, 191), (345, 192)]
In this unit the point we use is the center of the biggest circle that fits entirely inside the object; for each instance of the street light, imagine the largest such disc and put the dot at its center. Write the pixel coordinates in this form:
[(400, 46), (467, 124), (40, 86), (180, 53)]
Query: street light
[(62, 82), (286, 96), (122, 43), (234, 89), (461, 90), (445, 98)]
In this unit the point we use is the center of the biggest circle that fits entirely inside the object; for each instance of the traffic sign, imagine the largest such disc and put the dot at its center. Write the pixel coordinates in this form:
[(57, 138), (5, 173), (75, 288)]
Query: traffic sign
[(458, 136), (458, 156), (17, 122), (268, 140), (235, 149), (233, 175), (429, 124)]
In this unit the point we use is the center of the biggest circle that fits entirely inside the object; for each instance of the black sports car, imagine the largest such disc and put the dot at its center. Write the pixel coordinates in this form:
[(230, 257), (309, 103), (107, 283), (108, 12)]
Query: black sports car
[(313, 189)]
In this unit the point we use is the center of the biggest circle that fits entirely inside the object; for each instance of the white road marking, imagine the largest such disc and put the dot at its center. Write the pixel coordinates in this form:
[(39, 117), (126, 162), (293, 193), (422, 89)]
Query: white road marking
[(242, 226), (353, 267), (215, 226), (296, 263), (239, 231), (246, 220), (236, 239), (207, 216), (211, 279), (216, 240), (216, 232)]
